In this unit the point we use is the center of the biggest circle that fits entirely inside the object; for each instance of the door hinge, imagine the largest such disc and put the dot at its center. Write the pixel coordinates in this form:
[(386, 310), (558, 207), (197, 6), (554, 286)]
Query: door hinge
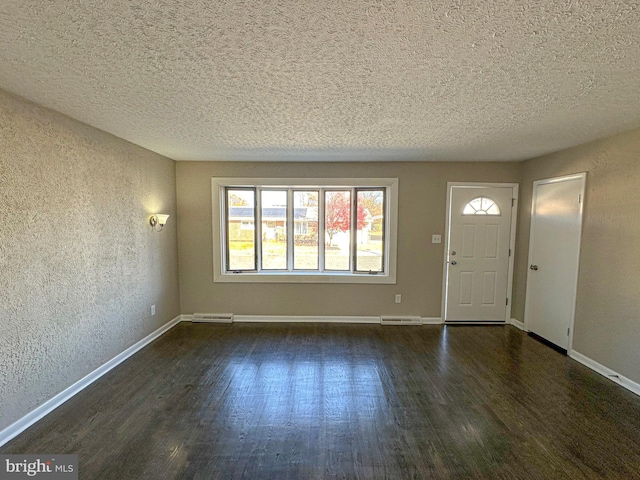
[(580, 198), (507, 303), (509, 252), (567, 332), (513, 202)]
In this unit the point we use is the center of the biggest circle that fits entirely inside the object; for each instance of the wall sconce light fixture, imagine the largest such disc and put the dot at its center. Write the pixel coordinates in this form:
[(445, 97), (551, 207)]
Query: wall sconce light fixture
[(158, 220)]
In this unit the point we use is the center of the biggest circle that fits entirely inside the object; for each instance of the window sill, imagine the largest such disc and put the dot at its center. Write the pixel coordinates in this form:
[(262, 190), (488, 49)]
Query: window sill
[(289, 277)]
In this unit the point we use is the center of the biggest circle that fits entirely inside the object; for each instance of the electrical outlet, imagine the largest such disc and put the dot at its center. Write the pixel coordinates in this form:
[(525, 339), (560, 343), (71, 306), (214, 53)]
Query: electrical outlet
[(436, 238), (153, 310), (398, 298)]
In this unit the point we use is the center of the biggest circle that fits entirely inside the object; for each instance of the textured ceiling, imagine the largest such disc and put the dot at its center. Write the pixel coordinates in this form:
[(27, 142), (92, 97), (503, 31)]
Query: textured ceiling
[(331, 80)]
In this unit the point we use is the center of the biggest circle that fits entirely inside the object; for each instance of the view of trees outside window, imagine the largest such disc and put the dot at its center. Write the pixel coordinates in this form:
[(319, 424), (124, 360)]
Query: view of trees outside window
[(370, 238), (276, 213), (337, 214), (241, 248), (305, 239), (274, 229)]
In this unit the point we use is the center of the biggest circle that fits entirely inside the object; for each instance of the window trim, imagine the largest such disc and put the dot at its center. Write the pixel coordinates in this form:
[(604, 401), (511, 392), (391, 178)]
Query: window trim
[(218, 185)]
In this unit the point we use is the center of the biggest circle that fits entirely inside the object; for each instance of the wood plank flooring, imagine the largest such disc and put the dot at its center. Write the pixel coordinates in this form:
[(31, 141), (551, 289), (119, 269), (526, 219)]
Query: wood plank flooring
[(300, 401)]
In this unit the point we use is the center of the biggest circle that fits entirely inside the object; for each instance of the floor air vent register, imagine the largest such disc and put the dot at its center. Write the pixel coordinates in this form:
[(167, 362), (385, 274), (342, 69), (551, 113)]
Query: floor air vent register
[(212, 318), (400, 320)]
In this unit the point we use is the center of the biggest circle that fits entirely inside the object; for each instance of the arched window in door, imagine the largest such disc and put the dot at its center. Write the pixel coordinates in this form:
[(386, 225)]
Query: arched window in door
[(481, 206)]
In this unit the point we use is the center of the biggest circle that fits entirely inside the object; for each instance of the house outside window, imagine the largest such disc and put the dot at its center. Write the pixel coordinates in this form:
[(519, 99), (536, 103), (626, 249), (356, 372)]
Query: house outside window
[(311, 230), (302, 228)]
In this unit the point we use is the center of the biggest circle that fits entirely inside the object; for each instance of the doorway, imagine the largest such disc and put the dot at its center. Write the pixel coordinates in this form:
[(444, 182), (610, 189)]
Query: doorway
[(479, 244), (554, 252)]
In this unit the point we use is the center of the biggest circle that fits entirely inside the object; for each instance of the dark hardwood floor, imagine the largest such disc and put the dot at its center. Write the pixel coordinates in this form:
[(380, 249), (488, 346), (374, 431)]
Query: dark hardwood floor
[(293, 401)]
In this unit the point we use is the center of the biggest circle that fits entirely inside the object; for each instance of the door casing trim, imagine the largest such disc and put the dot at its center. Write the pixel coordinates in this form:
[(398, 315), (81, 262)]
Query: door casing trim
[(512, 241)]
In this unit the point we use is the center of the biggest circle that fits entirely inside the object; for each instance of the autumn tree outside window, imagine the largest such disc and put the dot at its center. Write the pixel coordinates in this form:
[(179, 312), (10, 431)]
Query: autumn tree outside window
[(311, 230)]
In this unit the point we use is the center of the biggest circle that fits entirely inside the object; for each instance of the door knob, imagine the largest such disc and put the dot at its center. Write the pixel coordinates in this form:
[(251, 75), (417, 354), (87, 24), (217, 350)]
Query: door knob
[(533, 267), (453, 262)]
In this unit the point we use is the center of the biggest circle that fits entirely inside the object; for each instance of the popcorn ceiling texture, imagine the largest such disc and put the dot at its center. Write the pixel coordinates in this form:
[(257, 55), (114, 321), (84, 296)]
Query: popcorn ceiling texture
[(331, 80), (79, 264)]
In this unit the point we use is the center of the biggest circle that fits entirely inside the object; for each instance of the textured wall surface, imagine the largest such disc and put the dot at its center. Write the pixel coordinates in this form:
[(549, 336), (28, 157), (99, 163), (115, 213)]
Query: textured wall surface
[(421, 210), (79, 264), (607, 322), (331, 80)]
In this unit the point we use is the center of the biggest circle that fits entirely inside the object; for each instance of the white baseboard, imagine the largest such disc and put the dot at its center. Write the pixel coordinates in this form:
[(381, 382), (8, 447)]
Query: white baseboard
[(32, 417), (606, 372), (432, 321), (517, 324), (303, 319), (186, 318), (313, 319)]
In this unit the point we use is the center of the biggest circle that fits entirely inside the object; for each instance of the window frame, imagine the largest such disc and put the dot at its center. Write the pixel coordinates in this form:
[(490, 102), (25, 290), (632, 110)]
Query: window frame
[(389, 257), (485, 212)]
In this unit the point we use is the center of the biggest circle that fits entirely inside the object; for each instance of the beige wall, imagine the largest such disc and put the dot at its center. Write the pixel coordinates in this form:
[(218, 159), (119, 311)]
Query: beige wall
[(79, 264), (422, 196), (607, 323)]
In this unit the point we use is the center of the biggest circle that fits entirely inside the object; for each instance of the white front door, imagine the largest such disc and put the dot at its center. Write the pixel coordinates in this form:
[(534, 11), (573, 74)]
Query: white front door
[(554, 247), (478, 251)]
